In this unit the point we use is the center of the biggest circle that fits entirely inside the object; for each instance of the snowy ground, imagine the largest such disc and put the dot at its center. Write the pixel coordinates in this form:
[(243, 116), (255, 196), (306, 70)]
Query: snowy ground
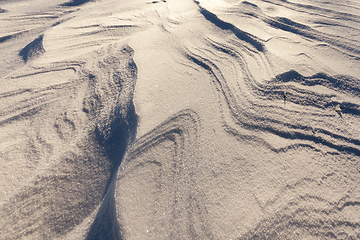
[(180, 119)]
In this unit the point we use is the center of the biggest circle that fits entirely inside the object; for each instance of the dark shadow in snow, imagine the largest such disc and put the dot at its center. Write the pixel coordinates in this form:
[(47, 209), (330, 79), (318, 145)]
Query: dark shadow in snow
[(244, 36), (33, 49), (76, 3), (339, 83)]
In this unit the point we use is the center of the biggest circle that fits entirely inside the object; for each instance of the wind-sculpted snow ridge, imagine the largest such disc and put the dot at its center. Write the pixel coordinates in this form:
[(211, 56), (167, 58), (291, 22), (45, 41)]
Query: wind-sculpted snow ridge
[(175, 119), (269, 116), (309, 213), (80, 128), (279, 120)]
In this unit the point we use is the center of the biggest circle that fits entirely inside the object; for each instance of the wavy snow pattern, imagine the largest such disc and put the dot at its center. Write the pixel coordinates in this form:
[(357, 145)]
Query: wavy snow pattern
[(111, 140)]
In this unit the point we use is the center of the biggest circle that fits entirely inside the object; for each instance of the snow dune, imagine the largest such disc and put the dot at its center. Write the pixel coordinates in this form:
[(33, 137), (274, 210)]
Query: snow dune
[(173, 119)]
